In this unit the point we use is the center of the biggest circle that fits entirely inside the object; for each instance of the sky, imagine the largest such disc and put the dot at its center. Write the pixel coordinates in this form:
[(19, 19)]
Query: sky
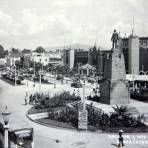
[(48, 23)]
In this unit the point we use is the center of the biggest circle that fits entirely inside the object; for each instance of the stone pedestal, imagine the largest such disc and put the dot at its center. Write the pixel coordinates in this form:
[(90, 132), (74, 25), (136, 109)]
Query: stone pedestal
[(114, 88)]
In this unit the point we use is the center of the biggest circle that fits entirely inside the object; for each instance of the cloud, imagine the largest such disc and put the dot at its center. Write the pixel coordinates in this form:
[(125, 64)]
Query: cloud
[(29, 23)]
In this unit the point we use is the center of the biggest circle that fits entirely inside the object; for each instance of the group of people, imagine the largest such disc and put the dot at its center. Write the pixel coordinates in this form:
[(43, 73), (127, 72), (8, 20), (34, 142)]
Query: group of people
[(33, 98), (139, 89)]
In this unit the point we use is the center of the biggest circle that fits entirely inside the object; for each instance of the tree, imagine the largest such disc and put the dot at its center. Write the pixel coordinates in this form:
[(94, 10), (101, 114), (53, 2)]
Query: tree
[(121, 117), (1, 48), (14, 50), (26, 51), (2, 53), (6, 52), (40, 49), (121, 111), (17, 64)]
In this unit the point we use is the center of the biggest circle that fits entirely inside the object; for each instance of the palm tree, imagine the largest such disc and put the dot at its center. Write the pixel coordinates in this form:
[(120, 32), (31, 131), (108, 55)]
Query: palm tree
[(117, 118), (121, 111)]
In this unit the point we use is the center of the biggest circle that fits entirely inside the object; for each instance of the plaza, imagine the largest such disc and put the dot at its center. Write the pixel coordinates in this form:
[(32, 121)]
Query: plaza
[(13, 97), (73, 74)]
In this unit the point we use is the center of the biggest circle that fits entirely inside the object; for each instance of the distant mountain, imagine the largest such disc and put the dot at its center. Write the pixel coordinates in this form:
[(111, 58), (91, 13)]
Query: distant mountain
[(73, 46)]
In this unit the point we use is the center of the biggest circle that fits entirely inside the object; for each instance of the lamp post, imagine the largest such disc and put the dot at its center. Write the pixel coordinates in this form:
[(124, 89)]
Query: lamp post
[(84, 95), (34, 72), (55, 80), (15, 76), (10, 72), (40, 75), (6, 117), (40, 79)]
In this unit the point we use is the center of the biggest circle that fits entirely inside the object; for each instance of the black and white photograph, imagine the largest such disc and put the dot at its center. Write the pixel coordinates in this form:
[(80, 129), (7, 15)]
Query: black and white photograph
[(73, 74)]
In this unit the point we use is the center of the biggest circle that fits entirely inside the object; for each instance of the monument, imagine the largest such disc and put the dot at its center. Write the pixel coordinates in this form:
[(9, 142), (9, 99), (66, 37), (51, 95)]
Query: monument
[(114, 88)]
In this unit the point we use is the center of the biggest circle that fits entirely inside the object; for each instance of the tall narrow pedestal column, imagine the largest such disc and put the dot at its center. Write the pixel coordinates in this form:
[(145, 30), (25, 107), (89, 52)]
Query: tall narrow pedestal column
[(6, 127)]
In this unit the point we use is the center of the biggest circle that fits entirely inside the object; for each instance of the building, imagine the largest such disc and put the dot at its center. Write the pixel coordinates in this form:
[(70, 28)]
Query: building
[(135, 50), (96, 58), (55, 58), (12, 58), (47, 58), (40, 57), (72, 57)]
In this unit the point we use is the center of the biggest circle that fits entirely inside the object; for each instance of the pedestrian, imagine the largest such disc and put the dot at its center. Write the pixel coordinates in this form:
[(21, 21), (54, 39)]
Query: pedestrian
[(30, 99), (121, 143), (34, 84), (78, 93), (26, 98), (74, 93), (33, 100)]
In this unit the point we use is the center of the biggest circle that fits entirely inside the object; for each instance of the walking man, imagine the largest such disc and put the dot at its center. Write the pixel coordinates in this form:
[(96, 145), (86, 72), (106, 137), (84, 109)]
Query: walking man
[(26, 98)]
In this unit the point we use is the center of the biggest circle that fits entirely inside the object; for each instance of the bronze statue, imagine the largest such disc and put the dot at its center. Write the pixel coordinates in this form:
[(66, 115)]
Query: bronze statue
[(114, 39)]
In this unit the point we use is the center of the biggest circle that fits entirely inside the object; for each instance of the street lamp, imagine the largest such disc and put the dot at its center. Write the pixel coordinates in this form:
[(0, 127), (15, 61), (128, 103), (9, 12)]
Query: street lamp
[(6, 117), (15, 75), (55, 80), (84, 95), (34, 71), (40, 80)]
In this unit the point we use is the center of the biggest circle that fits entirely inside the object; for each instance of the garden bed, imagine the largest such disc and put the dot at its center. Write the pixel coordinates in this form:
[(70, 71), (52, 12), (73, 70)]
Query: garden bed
[(49, 122), (54, 123), (65, 115), (33, 110)]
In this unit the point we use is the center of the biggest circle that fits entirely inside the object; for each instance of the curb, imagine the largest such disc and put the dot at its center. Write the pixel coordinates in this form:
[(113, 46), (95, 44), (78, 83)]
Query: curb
[(62, 128)]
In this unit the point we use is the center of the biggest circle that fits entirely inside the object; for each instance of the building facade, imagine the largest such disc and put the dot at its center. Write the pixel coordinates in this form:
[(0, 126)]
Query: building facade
[(73, 57), (135, 50), (12, 58), (47, 58)]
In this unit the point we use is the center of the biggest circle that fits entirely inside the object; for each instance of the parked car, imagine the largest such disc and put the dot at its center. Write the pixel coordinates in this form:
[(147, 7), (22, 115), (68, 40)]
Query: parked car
[(76, 85)]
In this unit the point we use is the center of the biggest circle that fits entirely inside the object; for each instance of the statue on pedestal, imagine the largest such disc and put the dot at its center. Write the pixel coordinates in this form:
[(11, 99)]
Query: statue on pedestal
[(114, 39)]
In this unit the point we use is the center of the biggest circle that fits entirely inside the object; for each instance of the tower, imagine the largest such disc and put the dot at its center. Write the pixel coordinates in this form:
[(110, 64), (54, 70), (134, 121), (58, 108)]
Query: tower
[(133, 55)]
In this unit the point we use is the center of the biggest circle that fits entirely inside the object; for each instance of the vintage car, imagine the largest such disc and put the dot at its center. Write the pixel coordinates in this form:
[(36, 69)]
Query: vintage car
[(76, 85)]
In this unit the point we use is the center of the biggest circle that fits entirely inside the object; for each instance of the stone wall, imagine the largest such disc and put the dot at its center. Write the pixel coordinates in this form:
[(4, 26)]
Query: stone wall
[(119, 93), (105, 92)]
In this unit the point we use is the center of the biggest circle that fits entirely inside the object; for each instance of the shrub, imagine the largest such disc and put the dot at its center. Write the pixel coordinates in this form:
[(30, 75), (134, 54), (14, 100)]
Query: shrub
[(97, 118)]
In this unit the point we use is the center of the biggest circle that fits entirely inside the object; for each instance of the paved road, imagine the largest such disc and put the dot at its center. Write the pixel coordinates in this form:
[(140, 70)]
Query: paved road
[(45, 137)]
